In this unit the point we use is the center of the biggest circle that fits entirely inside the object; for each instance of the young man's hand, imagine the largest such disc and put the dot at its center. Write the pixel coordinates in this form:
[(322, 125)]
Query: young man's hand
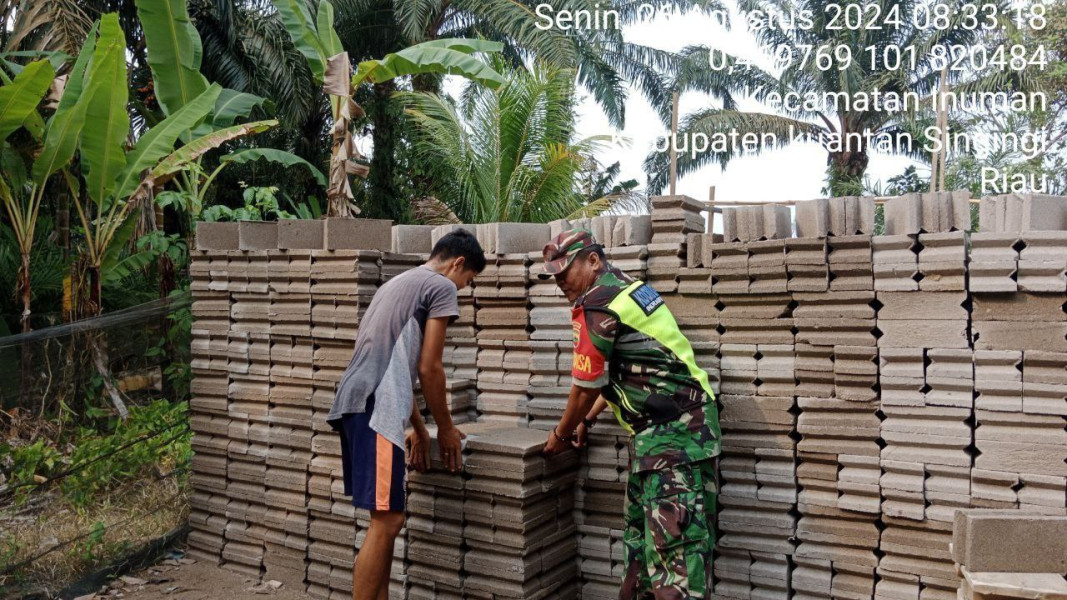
[(451, 448), (418, 446)]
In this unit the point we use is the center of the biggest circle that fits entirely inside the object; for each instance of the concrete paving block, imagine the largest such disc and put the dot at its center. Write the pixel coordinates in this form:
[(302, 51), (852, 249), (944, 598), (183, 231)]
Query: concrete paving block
[(813, 218), (301, 234), (695, 250), (217, 236), (558, 226), (1020, 306), (777, 223), (987, 215), (730, 226), (839, 208), (903, 215), (632, 230), (750, 223), (358, 234), (1017, 335), (520, 237), (1009, 541), (924, 333), (442, 230), (941, 306), (865, 208), (412, 239), (258, 235), (1042, 212), (961, 210), (677, 201)]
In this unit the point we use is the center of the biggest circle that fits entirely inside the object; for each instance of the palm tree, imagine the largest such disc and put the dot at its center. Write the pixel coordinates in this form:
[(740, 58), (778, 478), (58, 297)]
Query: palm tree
[(604, 62), (508, 154), (825, 122)]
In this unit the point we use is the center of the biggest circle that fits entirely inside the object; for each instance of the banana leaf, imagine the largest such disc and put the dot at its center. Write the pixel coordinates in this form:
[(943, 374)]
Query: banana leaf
[(61, 134), (233, 105), (19, 98), (106, 121), (273, 155), (450, 56), (297, 20), (331, 44), (159, 141), (174, 52), (168, 167)]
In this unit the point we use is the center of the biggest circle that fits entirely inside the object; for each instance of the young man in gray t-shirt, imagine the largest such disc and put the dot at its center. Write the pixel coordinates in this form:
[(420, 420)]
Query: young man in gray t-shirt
[(401, 336)]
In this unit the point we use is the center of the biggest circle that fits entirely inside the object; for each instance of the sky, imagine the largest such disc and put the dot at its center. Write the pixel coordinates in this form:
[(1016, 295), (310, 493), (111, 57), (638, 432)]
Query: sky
[(796, 172), (793, 173)]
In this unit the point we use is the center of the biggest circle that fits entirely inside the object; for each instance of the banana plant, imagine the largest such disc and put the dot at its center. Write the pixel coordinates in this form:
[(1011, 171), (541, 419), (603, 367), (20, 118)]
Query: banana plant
[(18, 100), (317, 40), (175, 55), (117, 181)]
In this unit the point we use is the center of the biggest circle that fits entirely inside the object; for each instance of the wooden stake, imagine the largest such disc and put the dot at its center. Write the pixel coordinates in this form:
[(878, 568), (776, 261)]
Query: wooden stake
[(674, 142)]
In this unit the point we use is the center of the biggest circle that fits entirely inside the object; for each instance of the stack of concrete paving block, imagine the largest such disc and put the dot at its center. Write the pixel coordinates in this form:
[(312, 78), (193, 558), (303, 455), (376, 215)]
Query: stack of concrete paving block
[(728, 262), (754, 223), (1020, 361), (757, 520), (632, 260), (673, 219), (851, 263), (837, 454), (504, 352), (806, 264), (1010, 554), (695, 277), (516, 518), (927, 384), (1018, 213), (698, 316), (461, 398), (551, 348)]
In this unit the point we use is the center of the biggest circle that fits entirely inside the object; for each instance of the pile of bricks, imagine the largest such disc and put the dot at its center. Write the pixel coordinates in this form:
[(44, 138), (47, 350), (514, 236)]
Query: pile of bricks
[(869, 387)]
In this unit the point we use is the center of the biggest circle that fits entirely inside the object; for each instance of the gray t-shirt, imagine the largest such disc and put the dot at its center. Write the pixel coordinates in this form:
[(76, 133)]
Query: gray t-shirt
[(388, 345)]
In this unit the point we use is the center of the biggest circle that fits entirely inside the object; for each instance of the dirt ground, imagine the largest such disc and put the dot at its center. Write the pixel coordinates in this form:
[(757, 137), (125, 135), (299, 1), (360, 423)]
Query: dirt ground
[(189, 579)]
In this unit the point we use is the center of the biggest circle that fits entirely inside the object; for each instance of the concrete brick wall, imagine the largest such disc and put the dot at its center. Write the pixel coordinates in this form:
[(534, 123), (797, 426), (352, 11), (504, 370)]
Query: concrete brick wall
[(868, 387)]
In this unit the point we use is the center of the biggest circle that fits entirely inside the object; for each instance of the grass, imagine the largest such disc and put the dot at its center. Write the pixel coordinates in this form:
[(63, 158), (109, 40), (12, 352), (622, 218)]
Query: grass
[(116, 522)]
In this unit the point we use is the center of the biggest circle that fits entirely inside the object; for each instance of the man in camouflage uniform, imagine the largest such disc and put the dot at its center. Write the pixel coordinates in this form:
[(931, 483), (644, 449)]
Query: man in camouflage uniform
[(630, 355)]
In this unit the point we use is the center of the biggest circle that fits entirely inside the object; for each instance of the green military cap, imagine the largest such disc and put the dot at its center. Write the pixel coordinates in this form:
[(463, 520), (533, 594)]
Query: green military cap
[(561, 251)]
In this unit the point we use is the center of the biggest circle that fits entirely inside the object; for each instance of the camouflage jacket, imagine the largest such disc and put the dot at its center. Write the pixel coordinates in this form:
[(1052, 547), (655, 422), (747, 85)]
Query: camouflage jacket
[(651, 389)]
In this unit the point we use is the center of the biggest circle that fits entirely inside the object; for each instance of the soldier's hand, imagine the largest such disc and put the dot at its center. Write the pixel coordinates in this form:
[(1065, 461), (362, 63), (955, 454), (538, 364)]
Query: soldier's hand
[(581, 436), (555, 444)]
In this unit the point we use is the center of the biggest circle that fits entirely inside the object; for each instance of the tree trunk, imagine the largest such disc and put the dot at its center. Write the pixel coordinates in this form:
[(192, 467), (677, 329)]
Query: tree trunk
[(22, 289), (385, 200), (94, 291), (63, 224)]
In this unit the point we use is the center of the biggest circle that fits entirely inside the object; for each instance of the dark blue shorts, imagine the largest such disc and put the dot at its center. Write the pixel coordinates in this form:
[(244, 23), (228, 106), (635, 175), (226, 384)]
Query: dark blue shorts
[(373, 466)]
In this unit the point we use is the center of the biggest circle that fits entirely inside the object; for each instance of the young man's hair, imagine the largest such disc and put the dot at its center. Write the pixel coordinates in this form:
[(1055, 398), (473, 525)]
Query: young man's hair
[(460, 243)]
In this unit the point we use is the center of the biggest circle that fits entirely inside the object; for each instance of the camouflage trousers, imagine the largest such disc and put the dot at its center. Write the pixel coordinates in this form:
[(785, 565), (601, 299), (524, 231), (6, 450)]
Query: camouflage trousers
[(670, 532)]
